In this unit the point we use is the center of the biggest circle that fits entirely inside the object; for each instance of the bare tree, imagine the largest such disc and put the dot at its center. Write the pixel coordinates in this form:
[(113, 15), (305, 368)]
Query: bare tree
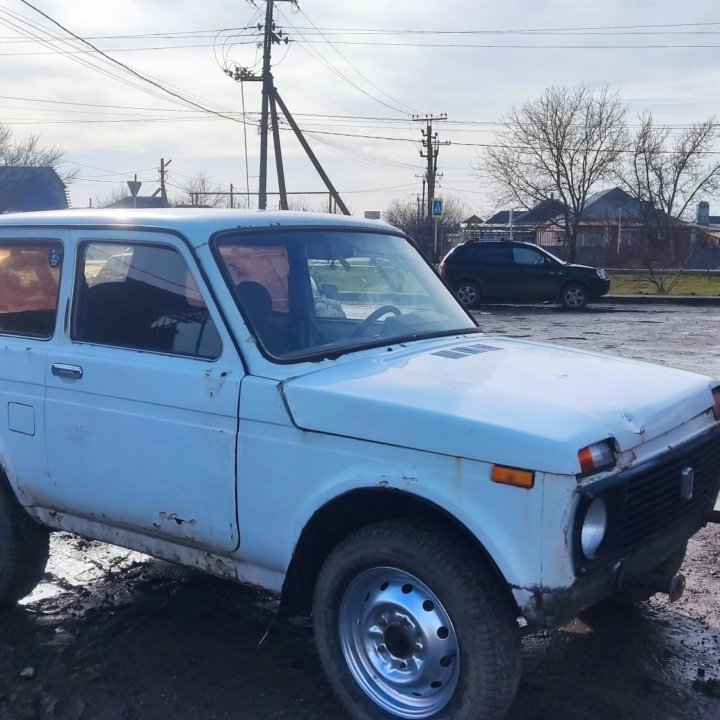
[(561, 145), (410, 217), (201, 190), (407, 214), (113, 196), (29, 153), (668, 175)]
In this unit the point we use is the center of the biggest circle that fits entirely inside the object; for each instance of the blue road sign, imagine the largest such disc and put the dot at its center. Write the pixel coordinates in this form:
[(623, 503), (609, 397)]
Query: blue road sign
[(437, 207)]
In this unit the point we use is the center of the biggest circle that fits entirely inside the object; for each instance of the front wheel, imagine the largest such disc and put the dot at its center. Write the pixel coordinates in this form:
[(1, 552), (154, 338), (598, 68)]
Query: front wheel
[(408, 626), (574, 296)]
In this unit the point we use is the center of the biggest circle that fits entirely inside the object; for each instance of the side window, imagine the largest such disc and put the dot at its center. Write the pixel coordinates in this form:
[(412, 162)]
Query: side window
[(527, 256), (491, 255), (141, 297), (29, 284)]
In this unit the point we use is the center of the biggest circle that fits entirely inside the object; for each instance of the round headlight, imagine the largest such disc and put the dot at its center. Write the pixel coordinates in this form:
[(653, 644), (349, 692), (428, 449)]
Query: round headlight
[(593, 528)]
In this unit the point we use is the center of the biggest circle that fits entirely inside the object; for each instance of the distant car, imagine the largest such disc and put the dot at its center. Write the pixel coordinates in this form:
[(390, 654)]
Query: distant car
[(508, 271)]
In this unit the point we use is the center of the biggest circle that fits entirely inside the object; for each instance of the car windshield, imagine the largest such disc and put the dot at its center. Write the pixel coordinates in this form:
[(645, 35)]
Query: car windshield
[(310, 292)]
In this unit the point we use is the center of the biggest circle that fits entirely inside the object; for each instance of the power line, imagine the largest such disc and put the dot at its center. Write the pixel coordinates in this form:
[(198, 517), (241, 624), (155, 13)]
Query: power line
[(129, 69), (517, 46), (316, 55), (119, 50), (362, 75), (328, 116), (210, 33), (29, 33), (656, 28)]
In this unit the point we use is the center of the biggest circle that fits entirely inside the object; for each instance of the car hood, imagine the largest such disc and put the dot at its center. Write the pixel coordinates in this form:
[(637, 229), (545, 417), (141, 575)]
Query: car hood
[(580, 267), (499, 400)]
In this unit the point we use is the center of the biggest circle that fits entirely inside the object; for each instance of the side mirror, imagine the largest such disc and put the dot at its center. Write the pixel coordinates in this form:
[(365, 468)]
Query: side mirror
[(329, 290), (547, 261)]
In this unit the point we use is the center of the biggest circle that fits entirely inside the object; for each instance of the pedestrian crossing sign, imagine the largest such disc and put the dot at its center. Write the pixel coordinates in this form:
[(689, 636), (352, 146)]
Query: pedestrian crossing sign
[(437, 208)]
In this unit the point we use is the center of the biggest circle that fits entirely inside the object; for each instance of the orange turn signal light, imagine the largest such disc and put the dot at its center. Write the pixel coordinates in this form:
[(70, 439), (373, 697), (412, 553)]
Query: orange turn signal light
[(513, 476)]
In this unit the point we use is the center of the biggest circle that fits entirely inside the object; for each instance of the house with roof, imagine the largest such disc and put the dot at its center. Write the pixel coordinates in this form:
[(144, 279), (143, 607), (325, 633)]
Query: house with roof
[(140, 201), (612, 219), (518, 224), (707, 253), (615, 229), (24, 189)]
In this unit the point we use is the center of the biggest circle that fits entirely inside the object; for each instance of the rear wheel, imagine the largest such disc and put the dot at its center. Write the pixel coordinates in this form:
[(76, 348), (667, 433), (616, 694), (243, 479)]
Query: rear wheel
[(407, 626), (468, 293), (574, 296), (24, 548)]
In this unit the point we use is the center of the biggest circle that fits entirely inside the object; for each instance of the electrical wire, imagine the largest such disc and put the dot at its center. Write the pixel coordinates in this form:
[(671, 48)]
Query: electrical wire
[(244, 121), (361, 74), (317, 55), (129, 69), (654, 28)]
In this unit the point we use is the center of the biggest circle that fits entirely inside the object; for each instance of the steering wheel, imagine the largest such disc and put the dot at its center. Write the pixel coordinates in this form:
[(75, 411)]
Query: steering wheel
[(361, 329)]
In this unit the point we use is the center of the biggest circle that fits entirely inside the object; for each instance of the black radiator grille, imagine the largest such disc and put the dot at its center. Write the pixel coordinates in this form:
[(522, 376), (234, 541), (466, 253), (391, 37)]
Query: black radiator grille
[(653, 497)]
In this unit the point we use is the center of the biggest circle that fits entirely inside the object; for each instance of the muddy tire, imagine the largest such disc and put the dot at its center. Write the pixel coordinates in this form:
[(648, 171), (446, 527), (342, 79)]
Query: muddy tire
[(409, 625), (574, 296), (468, 293), (24, 548)]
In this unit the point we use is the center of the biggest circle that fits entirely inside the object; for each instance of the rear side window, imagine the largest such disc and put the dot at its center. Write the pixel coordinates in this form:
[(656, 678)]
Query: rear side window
[(491, 255), (141, 297), (29, 284)]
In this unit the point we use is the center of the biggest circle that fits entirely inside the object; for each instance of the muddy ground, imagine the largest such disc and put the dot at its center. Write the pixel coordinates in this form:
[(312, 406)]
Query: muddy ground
[(115, 635)]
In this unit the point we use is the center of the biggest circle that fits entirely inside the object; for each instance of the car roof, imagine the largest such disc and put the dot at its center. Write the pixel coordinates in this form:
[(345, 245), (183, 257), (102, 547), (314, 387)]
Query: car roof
[(511, 243), (195, 223)]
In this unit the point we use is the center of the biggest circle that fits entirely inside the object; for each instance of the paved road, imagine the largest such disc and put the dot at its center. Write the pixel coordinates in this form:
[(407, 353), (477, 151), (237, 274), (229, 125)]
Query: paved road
[(685, 337)]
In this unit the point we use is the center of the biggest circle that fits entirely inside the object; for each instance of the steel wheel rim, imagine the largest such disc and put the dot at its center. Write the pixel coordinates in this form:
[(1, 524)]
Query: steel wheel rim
[(467, 295), (574, 297), (399, 642)]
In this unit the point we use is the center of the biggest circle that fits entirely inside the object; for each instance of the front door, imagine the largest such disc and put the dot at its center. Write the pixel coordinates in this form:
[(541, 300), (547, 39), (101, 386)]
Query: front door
[(534, 278), (142, 396)]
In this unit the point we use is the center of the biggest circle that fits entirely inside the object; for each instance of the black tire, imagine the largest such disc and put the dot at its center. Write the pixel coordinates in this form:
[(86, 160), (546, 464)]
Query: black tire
[(483, 674), (24, 549), (468, 293), (574, 296)]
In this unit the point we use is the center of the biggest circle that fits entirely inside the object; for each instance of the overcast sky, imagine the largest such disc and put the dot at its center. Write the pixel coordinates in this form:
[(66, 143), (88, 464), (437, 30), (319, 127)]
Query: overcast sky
[(52, 89)]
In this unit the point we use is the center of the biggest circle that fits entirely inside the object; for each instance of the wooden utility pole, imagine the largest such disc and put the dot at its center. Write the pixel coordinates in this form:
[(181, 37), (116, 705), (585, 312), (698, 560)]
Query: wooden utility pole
[(163, 175), (431, 148), (270, 101)]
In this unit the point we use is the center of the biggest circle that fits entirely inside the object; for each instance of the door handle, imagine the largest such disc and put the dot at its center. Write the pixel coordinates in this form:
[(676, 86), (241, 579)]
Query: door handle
[(72, 372)]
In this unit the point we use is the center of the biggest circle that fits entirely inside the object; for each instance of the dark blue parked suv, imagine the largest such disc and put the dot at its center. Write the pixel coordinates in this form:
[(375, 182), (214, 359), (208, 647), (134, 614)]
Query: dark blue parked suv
[(507, 271)]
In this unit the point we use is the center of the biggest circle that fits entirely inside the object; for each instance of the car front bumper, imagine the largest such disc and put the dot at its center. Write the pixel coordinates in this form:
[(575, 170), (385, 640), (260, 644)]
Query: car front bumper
[(651, 515)]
